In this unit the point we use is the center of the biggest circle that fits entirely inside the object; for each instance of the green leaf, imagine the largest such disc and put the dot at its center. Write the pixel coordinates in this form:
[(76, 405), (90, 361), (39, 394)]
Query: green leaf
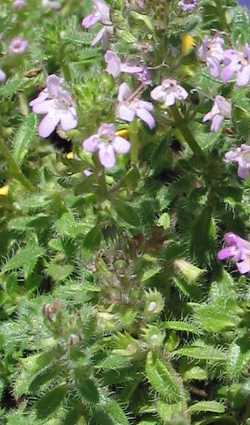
[(86, 386), (114, 361), (59, 272), (207, 406), (207, 352), (148, 274), (127, 213), (181, 326), (164, 221), (195, 373), (43, 376), (24, 138), (25, 258), (215, 317), (50, 402), (169, 412), (162, 378), (93, 239), (116, 413)]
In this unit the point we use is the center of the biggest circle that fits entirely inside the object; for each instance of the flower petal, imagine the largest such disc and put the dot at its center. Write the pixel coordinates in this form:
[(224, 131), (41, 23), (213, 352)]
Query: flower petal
[(217, 123), (91, 144), (90, 20), (243, 76), (106, 155), (121, 145), (44, 106), (225, 253), (125, 112), (146, 117), (244, 266), (68, 120), (124, 92), (48, 125)]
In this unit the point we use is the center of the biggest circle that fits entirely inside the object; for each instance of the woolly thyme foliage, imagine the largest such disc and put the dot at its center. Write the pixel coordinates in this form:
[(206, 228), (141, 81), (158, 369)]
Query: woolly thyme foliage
[(115, 305)]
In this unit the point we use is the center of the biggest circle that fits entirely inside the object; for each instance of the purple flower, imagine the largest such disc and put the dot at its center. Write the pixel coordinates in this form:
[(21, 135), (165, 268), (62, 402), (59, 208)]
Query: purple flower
[(238, 250), (57, 105), (107, 144), (237, 63), (131, 106), (241, 155), (115, 66), (169, 92), (2, 76), (18, 46), (188, 5), (212, 52), (221, 109), (19, 4), (100, 13), (245, 3)]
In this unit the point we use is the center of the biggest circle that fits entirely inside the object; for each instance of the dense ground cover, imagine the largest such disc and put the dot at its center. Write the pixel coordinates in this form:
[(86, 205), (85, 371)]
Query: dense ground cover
[(124, 201)]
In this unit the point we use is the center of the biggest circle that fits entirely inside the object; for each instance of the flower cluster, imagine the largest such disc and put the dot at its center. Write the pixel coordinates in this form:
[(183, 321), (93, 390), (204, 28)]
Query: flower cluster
[(225, 64)]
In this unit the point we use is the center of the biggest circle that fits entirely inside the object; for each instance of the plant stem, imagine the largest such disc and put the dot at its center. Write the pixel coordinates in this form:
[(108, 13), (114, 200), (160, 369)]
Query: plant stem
[(14, 167)]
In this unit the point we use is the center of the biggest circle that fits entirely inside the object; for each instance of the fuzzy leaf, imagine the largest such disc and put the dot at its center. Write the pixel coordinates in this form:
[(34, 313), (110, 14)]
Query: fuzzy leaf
[(86, 387), (116, 413), (25, 258), (207, 406), (181, 326), (127, 213), (162, 379), (208, 353), (50, 402), (24, 138)]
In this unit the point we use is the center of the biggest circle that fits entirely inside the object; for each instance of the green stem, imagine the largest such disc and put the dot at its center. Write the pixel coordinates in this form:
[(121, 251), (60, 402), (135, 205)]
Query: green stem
[(135, 143), (185, 135), (14, 167)]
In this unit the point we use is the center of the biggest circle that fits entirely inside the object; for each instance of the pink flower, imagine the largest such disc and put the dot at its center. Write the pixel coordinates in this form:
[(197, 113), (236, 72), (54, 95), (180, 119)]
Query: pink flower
[(238, 250), (57, 105), (18, 46), (237, 63), (188, 5), (212, 52), (19, 4), (130, 107), (100, 13), (169, 92), (115, 66), (107, 144), (241, 155), (2, 76), (221, 109)]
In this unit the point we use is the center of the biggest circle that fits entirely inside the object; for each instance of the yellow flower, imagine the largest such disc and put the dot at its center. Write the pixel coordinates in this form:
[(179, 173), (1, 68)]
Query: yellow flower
[(187, 44), (70, 155), (122, 133), (4, 190)]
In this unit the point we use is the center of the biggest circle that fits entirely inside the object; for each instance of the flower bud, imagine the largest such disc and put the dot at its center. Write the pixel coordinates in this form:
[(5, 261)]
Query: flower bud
[(73, 340), (190, 272), (154, 303), (50, 310)]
